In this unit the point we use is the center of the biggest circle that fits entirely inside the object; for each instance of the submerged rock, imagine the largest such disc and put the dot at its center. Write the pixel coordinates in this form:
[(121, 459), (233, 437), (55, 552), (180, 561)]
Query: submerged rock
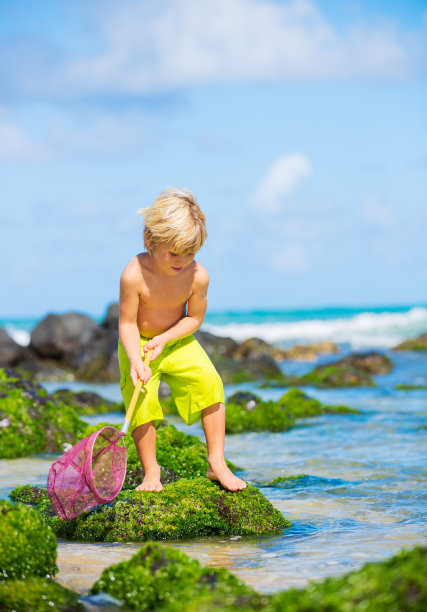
[(414, 344), (250, 413), (184, 509), (27, 544), (397, 584), (352, 371), (310, 352), (162, 578)]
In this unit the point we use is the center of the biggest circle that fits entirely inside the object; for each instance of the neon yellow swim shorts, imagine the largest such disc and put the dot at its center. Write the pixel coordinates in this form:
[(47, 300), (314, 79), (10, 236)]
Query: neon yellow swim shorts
[(186, 368)]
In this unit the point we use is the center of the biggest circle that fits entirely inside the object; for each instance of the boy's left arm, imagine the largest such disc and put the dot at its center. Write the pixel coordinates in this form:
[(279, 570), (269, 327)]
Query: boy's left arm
[(196, 310)]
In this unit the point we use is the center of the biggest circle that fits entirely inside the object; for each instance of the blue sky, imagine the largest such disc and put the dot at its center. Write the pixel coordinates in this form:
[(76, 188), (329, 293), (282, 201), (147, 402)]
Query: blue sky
[(299, 125)]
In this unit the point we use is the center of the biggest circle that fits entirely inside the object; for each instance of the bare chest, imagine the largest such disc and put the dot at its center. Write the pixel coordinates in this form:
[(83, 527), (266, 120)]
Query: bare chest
[(155, 294)]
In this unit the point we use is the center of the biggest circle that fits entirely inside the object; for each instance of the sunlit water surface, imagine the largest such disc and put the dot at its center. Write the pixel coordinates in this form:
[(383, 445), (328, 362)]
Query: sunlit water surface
[(363, 499)]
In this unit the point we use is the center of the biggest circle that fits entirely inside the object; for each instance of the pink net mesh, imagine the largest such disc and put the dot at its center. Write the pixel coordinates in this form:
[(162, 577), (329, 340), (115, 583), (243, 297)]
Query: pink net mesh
[(90, 473)]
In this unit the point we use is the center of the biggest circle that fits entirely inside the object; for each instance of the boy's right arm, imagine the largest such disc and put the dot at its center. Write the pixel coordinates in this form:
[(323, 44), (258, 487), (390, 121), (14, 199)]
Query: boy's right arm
[(128, 327)]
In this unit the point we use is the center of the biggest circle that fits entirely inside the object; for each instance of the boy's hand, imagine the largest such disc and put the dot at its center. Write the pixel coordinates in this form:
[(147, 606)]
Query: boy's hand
[(156, 344), (140, 371)]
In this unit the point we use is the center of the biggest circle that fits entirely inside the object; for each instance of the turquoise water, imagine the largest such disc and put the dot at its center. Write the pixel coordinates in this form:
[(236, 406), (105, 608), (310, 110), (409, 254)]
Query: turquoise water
[(355, 327), (364, 496)]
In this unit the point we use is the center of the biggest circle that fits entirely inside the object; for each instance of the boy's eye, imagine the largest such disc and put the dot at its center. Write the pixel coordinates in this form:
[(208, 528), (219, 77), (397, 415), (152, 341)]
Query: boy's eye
[(173, 254)]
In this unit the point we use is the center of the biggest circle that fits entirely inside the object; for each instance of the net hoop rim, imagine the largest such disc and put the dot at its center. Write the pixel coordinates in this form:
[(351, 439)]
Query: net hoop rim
[(88, 466)]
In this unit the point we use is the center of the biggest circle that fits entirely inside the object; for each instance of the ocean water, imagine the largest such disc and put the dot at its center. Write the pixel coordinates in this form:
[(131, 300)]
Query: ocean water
[(359, 328), (364, 496)]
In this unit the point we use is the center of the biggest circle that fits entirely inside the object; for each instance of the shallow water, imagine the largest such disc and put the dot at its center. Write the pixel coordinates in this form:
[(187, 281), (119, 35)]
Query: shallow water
[(364, 499)]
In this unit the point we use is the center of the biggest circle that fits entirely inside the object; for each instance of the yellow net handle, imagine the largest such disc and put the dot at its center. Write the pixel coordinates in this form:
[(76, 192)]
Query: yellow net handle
[(135, 395)]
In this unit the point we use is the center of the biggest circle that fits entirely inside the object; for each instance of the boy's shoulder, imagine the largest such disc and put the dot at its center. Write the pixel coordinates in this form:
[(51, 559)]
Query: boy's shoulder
[(132, 272), (201, 275)]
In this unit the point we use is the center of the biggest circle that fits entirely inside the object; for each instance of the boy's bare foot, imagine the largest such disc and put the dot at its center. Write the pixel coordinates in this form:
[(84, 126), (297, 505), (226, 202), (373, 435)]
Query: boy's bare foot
[(151, 481), (225, 476)]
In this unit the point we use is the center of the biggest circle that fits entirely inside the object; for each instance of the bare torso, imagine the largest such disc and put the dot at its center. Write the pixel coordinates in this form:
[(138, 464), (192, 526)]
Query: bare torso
[(162, 299)]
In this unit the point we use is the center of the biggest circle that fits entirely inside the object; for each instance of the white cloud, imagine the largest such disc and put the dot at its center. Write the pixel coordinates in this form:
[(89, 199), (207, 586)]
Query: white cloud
[(280, 181), (377, 213), (144, 47), (291, 258), (14, 142)]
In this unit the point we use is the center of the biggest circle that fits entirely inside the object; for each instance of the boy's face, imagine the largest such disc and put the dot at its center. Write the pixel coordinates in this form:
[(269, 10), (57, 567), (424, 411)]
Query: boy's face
[(168, 261)]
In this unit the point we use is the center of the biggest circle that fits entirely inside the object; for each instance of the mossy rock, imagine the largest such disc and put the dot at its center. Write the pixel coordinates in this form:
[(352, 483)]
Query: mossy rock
[(32, 421), (179, 455), (184, 509), (87, 402), (397, 584), (27, 544), (38, 595), (246, 413), (355, 370), (162, 578), (407, 387), (414, 344)]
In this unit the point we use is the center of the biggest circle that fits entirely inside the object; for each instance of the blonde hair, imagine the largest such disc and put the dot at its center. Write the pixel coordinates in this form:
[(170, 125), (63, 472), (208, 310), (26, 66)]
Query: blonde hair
[(174, 217)]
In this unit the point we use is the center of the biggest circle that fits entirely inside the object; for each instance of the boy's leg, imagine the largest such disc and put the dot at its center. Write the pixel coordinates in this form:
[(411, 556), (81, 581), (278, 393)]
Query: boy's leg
[(213, 421), (144, 437)]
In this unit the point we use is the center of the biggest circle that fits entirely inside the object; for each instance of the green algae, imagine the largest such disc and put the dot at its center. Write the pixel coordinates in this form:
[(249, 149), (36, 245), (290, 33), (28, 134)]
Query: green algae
[(37, 595), (32, 421), (256, 415), (27, 545), (184, 509), (407, 387), (161, 578), (397, 584)]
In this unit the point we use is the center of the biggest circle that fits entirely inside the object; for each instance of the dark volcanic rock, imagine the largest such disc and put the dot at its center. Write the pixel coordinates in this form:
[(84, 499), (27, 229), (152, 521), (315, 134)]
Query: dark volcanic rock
[(216, 346), (78, 342), (254, 348), (415, 344), (352, 371), (111, 320), (11, 352)]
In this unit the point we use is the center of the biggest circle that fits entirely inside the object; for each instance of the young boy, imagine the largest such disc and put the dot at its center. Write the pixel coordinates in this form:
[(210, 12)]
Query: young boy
[(162, 303)]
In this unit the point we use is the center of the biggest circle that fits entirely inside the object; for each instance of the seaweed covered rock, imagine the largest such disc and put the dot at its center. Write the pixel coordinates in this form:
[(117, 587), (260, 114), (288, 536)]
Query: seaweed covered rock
[(413, 344), (162, 578), (38, 595), (355, 370), (86, 402), (27, 544), (250, 413), (399, 583), (184, 509), (32, 421)]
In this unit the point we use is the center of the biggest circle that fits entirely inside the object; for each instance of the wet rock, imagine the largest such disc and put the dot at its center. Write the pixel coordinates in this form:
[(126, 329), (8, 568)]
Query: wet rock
[(256, 415), (111, 320), (187, 508), (33, 421), (78, 342), (310, 352), (352, 371), (174, 582), (399, 583), (255, 348), (27, 544), (415, 344), (216, 346), (38, 595), (86, 402), (44, 370), (11, 352)]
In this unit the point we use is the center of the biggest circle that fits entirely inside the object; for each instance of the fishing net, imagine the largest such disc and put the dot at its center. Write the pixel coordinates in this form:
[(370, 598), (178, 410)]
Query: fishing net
[(90, 473)]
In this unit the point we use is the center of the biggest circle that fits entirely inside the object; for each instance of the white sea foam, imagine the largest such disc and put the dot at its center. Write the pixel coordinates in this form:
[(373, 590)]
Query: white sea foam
[(20, 336), (384, 329)]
